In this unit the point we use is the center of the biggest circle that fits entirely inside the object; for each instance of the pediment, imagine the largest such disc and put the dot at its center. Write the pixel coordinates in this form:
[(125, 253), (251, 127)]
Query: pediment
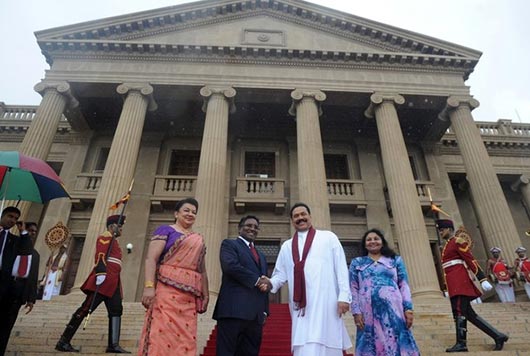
[(260, 30), (257, 26)]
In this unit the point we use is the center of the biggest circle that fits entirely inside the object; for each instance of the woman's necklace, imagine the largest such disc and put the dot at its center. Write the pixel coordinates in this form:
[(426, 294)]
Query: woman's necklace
[(180, 229)]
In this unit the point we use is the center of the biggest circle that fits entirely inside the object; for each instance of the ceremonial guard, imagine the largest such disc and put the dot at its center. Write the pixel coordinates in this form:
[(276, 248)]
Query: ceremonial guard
[(102, 285), (462, 275), (522, 268), (500, 274)]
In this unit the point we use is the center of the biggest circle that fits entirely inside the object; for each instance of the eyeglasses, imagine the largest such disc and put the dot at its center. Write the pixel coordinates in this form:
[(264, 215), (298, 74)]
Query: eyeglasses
[(251, 226)]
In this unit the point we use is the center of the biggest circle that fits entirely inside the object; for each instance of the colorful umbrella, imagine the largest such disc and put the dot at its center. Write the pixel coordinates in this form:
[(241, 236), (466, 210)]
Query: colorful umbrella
[(29, 179)]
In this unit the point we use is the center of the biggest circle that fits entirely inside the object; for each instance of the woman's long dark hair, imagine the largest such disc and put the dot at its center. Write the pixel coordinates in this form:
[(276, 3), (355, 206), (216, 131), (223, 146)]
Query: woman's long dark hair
[(385, 250)]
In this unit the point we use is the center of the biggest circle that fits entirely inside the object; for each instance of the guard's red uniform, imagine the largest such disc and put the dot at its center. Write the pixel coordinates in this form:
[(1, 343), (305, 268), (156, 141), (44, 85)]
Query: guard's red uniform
[(456, 276), (112, 280), (523, 266)]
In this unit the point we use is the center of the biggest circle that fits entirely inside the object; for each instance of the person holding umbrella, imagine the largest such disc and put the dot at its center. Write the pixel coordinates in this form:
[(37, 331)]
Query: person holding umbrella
[(15, 265), (102, 285)]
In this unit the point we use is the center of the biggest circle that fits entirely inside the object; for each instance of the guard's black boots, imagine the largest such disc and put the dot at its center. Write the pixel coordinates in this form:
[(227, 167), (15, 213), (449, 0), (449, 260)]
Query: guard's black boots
[(114, 336), (461, 335), (496, 335), (64, 342)]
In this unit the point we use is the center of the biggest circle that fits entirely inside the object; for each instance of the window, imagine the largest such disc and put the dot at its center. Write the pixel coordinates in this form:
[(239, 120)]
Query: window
[(56, 166), (184, 163), (336, 166), (103, 155), (352, 249), (260, 163)]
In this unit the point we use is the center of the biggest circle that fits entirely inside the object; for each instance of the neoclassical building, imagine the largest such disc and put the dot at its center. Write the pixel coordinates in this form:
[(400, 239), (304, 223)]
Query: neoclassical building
[(253, 105)]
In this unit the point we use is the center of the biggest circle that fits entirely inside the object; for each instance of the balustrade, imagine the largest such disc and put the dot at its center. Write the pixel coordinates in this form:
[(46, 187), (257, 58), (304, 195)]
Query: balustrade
[(11, 112), (260, 191), (259, 188), (422, 188), (174, 186), (88, 183), (345, 190)]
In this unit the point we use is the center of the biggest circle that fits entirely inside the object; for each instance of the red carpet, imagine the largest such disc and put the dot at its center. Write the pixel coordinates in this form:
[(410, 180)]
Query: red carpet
[(276, 334)]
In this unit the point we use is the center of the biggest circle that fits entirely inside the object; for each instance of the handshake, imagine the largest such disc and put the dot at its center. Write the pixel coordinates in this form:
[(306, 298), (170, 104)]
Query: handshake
[(264, 284)]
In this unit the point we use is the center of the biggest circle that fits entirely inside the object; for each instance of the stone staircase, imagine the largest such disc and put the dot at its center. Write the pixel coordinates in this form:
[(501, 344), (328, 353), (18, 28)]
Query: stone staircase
[(434, 328), (35, 334)]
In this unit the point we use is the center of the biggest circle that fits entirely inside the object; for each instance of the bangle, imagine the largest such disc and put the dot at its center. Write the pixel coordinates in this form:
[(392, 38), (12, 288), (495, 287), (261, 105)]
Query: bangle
[(149, 284), (410, 311)]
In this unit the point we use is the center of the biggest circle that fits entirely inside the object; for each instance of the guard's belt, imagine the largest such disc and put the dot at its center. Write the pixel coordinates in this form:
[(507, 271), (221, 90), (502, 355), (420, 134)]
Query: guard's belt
[(452, 263)]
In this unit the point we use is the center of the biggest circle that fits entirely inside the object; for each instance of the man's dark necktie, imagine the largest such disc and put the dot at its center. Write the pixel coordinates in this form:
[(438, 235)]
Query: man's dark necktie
[(254, 253)]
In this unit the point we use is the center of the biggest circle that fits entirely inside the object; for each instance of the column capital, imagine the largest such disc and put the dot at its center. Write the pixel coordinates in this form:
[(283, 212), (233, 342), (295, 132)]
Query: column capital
[(299, 94), (455, 101), (521, 180), (228, 92), (380, 97), (144, 89), (62, 88)]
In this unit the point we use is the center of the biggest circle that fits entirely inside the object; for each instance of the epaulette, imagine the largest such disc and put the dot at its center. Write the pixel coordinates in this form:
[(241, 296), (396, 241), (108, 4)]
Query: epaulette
[(105, 238), (460, 240)]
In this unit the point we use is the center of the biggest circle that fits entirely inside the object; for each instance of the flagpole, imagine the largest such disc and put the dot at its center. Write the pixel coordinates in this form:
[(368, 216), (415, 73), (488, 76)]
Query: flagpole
[(125, 201), (436, 216)]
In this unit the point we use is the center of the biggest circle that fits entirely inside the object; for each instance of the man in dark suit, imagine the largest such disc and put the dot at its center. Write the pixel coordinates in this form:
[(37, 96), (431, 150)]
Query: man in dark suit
[(241, 307), (15, 264), (25, 290)]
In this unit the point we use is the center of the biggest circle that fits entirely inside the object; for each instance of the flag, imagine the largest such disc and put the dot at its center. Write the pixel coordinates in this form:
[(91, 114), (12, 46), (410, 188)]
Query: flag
[(438, 210), (123, 200)]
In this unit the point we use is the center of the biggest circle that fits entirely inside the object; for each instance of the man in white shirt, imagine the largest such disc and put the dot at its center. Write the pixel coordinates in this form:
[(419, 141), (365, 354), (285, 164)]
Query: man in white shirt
[(314, 266)]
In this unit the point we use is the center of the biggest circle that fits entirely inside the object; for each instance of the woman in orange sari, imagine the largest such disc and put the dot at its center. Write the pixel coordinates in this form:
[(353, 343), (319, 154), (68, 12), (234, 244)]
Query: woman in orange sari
[(176, 286)]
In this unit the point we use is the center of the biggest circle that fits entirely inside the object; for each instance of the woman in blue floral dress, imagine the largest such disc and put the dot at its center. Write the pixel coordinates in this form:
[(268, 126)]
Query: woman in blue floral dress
[(381, 300)]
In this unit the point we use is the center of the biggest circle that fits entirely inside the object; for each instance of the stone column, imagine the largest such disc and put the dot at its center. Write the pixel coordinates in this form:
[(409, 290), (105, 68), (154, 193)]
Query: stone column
[(120, 167), (490, 203), (59, 209), (211, 181), (312, 186), (39, 137), (56, 96), (138, 214), (523, 183), (409, 223), (376, 210)]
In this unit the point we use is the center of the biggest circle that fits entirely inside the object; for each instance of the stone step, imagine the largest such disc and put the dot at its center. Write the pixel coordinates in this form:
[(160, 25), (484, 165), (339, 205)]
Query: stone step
[(37, 332)]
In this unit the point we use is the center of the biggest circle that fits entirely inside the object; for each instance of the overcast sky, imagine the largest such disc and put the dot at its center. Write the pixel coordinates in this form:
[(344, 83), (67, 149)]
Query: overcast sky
[(498, 28)]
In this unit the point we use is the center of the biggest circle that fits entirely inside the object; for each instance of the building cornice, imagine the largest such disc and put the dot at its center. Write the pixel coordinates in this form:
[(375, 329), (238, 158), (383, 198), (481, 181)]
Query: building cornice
[(76, 49)]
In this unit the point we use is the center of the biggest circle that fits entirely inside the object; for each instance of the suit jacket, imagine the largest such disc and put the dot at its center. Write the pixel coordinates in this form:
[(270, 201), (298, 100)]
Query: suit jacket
[(113, 267), (239, 298), (14, 246), (26, 288)]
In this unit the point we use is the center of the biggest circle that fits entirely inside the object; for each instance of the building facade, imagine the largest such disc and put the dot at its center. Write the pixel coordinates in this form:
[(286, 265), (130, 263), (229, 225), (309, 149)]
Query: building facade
[(253, 105)]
